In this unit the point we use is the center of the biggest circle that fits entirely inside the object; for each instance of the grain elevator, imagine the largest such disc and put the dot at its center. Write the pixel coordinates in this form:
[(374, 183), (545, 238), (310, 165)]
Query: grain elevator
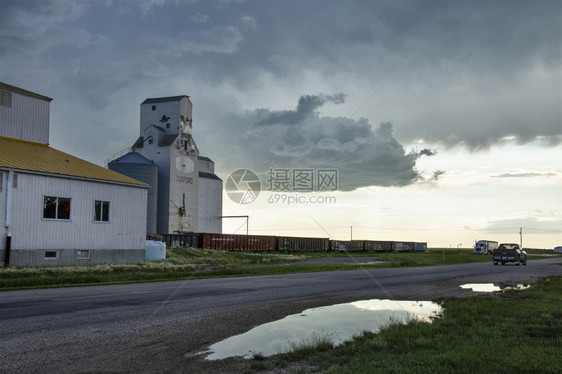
[(187, 196)]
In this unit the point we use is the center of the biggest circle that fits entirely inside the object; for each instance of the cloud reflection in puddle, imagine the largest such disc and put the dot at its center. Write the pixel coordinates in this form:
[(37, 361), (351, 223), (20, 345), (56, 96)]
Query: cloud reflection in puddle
[(338, 322), (491, 287)]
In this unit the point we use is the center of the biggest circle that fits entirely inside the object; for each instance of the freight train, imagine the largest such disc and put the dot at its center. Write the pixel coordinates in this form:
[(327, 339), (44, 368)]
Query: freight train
[(265, 243)]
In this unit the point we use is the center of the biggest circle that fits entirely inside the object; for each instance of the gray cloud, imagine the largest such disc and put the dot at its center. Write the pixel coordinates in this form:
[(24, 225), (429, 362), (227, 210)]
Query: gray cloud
[(427, 152), (530, 225), (301, 138), (477, 72), (19, 31), (437, 174), (524, 175), (306, 108)]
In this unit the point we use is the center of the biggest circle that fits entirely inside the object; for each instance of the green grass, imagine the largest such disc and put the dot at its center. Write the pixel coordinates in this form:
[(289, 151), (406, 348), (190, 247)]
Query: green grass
[(190, 263), (511, 332)]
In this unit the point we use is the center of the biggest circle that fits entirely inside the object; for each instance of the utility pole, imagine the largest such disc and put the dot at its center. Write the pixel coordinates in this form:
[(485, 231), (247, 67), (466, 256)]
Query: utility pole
[(351, 227), (521, 237)]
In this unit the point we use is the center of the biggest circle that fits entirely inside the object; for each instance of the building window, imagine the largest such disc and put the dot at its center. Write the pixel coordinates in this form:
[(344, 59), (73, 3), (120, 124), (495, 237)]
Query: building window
[(1, 180), (56, 207), (6, 99), (168, 125), (82, 254), (150, 141), (15, 181), (153, 107), (101, 211), (51, 255)]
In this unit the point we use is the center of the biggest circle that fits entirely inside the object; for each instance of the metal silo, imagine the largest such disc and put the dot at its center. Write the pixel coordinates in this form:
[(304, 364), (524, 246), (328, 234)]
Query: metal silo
[(142, 169)]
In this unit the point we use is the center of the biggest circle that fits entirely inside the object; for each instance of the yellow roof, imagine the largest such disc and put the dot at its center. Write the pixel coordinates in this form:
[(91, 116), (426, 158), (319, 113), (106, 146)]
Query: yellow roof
[(40, 158)]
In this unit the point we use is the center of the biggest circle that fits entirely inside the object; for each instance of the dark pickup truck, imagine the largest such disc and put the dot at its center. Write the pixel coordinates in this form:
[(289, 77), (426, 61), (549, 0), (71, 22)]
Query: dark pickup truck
[(508, 252)]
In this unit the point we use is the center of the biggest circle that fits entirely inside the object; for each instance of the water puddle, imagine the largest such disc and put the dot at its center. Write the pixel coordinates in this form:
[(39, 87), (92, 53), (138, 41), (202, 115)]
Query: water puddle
[(338, 323), (491, 287)]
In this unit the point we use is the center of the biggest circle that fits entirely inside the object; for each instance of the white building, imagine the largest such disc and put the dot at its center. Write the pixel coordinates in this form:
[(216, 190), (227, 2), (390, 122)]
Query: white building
[(189, 193), (57, 208)]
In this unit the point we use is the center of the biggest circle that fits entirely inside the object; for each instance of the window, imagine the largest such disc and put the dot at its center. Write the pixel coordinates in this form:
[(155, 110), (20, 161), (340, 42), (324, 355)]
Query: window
[(82, 254), (15, 181), (168, 125), (56, 207), (154, 107), (6, 99), (101, 211), (1, 180), (51, 255)]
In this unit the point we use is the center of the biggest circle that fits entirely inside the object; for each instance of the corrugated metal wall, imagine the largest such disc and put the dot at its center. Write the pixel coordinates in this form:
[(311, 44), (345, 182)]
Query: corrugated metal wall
[(184, 185), (402, 246), (255, 243), (182, 240), (126, 229), (347, 245), (210, 205), (2, 212), (27, 119), (377, 246), (292, 244), (147, 173)]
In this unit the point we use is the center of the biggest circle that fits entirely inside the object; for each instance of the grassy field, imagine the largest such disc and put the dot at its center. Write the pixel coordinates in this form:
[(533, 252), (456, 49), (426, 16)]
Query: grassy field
[(510, 332), (186, 263)]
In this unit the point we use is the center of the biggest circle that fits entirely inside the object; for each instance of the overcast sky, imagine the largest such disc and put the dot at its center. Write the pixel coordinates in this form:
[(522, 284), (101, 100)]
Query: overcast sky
[(443, 118)]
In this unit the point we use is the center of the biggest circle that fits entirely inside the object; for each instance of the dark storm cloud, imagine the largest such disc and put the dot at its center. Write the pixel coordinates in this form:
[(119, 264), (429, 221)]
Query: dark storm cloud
[(477, 72), (473, 62), (305, 109), (427, 152), (35, 25), (301, 138)]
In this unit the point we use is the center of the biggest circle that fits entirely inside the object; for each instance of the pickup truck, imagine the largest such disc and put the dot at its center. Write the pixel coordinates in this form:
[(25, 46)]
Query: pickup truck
[(509, 252)]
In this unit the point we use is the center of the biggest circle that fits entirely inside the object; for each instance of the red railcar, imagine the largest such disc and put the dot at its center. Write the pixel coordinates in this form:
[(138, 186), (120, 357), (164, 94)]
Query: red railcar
[(232, 242)]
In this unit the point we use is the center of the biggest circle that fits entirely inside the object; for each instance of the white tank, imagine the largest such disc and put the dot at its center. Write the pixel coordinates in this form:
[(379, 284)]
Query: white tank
[(155, 250)]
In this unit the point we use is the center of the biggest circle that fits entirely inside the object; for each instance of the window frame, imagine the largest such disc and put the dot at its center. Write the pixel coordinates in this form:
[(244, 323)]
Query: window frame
[(58, 208), (5, 98), (104, 215), (50, 252)]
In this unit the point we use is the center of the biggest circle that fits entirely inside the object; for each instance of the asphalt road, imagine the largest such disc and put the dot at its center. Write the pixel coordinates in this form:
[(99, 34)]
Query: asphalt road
[(162, 327)]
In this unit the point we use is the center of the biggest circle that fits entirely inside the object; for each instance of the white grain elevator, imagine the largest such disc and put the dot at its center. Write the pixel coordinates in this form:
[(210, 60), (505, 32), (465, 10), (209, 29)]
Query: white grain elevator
[(189, 193)]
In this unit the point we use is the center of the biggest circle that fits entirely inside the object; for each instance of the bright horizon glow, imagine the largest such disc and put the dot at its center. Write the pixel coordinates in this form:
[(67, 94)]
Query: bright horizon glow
[(471, 201)]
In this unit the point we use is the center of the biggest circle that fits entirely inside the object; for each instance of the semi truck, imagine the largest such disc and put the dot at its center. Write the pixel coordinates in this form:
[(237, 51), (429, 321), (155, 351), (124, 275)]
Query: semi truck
[(484, 247)]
